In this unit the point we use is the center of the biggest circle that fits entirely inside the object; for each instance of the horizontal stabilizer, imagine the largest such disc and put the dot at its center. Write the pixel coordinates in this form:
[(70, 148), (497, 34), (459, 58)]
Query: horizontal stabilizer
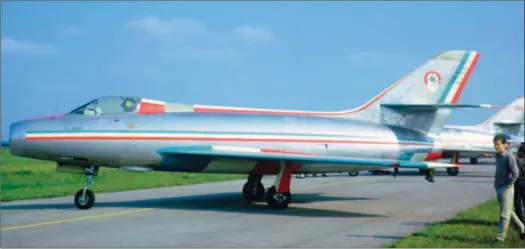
[(433, 107), (504, 123), (258, 154), (422, 117)]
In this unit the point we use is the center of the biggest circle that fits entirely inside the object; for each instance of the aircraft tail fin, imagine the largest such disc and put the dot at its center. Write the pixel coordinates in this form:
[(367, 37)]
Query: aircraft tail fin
[(424, 98), (509, 120)]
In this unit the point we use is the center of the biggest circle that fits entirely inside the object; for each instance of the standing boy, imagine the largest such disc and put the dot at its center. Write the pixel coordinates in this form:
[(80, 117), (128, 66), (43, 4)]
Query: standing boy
[(506, 175)]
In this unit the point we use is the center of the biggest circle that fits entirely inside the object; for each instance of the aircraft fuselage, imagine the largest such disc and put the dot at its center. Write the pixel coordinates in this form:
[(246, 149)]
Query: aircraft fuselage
[(133, 140)]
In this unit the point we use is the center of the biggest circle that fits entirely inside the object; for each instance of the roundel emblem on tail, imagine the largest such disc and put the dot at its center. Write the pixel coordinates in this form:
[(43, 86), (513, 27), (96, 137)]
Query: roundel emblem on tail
[(432, 80), (518, 108)]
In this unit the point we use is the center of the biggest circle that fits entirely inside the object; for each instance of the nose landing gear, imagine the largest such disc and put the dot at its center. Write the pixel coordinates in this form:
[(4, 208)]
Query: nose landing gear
[(85, 198)]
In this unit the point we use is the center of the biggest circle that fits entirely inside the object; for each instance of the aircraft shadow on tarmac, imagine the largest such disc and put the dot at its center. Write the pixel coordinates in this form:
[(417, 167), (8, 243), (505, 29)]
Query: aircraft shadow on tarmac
[(224, 202), (409, 173), (375, 236), (417, 223)]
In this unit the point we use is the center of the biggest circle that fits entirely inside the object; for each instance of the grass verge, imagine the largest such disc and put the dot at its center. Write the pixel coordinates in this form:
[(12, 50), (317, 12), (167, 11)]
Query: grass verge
[(24, 178), (475, 227)]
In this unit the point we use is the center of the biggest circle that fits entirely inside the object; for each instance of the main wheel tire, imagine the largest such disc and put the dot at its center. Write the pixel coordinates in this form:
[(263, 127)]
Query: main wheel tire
[(452, 171), (353, 173), (277, 201), (473, 160), (422, 171), (251, 194), (88, 201)]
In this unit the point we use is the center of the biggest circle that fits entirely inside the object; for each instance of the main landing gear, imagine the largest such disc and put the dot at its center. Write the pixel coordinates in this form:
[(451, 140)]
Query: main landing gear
[(253, 189), (353, 173), (454, 160), (277, 196), (85, 198)]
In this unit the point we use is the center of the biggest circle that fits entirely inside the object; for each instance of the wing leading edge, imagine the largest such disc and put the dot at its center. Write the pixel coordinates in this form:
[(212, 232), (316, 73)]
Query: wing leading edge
[(257, 154)]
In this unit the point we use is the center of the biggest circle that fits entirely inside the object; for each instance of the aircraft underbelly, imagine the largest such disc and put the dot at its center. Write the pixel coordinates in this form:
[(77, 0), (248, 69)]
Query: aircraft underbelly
[(230, 166)]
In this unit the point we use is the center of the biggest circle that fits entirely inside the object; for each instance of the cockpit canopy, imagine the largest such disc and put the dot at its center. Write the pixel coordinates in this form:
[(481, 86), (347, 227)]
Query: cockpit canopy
[(109, 105)]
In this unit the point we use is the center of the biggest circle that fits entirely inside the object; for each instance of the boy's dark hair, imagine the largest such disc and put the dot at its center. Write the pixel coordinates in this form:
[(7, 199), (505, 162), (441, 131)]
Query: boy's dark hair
[(500, 137)]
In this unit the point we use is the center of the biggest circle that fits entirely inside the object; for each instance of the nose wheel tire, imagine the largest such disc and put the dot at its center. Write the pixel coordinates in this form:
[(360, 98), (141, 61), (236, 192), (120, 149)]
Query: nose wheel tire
[(84, 201), (277, 200)]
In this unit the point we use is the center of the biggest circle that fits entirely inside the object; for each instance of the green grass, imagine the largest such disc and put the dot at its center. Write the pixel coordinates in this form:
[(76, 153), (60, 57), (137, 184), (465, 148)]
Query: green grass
[(24, 178), (476, 227)]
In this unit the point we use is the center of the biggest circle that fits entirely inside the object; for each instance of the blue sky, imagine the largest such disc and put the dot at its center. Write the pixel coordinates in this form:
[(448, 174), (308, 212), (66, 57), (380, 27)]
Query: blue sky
[(294, 55)]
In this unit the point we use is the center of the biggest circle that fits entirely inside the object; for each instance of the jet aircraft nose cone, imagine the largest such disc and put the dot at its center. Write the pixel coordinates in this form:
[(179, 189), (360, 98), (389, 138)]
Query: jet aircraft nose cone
[(17, 137)]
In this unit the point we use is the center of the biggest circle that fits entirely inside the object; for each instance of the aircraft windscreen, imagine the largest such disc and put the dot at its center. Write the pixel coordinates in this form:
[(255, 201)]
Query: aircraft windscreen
[(86, 109), (110, 105)]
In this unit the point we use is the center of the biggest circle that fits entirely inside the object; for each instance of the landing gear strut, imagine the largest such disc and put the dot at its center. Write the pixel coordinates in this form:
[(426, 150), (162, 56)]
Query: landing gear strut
[(85, 198), (429, 175), (455, 160), (253, 189)]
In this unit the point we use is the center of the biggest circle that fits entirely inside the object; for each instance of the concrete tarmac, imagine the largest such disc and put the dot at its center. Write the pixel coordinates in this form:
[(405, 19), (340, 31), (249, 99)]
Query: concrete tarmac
[(333, 211)]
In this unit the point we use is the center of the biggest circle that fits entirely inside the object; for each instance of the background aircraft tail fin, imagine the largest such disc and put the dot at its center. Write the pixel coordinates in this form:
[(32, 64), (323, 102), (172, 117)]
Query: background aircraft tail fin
[(509, 120)]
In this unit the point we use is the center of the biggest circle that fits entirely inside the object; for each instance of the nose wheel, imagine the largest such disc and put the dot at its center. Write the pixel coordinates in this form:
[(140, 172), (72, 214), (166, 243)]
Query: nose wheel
[(85, 198)]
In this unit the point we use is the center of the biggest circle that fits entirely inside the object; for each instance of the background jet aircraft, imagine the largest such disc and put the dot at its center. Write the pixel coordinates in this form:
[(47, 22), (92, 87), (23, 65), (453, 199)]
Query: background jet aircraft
[(397, 133), (470, 141)]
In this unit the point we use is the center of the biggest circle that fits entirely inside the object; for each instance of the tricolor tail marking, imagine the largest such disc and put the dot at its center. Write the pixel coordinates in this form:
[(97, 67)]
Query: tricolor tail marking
[(459, 79)]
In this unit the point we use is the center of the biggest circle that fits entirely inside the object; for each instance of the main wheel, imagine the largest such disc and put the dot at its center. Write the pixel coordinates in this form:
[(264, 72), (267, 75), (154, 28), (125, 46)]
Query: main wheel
[(452, 171), (253, 192), (353, 173), (422, 171), (88, 202), (473, 160), (277, 200)]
